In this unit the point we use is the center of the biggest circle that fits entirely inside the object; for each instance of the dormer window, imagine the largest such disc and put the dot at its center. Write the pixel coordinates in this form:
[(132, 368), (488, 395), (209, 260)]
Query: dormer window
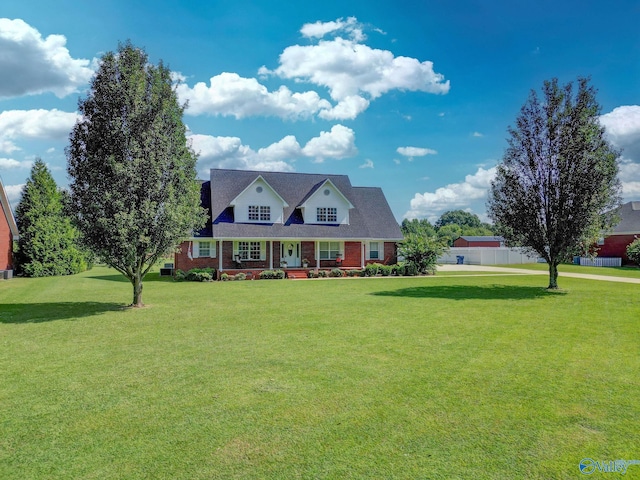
[(327, 214), (259, 213)]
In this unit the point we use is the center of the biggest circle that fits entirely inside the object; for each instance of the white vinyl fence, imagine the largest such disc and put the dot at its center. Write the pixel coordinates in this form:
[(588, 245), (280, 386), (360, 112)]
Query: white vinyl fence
[(601, 262), (486, 256)]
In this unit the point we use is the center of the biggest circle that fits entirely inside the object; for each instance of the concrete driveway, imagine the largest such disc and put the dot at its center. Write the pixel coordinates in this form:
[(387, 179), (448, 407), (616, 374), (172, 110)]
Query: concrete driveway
[(522, 271)]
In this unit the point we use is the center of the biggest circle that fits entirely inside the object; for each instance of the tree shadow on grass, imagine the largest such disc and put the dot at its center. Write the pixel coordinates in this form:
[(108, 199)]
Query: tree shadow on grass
[(472, 292), (48, 312)]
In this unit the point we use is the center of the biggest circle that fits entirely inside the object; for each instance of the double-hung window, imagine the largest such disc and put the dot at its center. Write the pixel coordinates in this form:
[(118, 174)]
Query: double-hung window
[(259, 213), (374, 252), (327, 214), (204, 249), (329, 250), (250, 250)]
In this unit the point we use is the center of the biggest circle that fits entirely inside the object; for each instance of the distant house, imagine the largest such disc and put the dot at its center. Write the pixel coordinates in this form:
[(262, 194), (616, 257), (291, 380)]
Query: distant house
[(8, 233), (627, 230), (478, 241), (271, 220)]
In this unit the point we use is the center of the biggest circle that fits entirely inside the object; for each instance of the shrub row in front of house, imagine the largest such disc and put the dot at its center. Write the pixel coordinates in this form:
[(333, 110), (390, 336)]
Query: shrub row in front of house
[(370, 270), (196, 275)]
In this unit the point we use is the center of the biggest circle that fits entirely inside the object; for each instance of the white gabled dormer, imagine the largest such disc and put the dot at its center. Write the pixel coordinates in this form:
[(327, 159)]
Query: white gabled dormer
[(327, 205), (259, 203)]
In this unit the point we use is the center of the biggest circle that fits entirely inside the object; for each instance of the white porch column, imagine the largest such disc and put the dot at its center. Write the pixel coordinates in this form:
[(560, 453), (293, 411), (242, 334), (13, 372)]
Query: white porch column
[(219, 255), (270, 254), (362, 253)]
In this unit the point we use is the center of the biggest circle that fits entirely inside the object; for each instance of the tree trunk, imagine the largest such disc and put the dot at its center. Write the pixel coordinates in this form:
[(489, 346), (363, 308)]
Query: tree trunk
[(553, 276), (136, 281)]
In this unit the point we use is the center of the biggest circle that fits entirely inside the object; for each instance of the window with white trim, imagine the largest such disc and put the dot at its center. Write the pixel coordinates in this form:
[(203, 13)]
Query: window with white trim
[(259, 213), (374, 252), (249, 250), (327, 214), (204, 249), (329, 250)]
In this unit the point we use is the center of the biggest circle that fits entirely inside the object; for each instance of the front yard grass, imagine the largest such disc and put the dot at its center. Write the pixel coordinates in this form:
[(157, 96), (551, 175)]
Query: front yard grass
[(430, 377)]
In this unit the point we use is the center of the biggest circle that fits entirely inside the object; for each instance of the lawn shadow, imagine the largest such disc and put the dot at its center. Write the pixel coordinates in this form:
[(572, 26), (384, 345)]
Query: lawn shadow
[(117, 277), (48, 312), (472, 292)]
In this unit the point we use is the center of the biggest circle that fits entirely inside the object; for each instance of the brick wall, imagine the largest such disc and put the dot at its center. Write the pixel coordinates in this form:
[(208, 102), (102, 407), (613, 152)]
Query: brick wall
[(390, 253), (616, 246), (6, 243), (183, 262), (352, 254), (308, 251)]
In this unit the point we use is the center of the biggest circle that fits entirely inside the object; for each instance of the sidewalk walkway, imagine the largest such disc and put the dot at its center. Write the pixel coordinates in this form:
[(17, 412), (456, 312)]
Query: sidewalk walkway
[(523, 271)]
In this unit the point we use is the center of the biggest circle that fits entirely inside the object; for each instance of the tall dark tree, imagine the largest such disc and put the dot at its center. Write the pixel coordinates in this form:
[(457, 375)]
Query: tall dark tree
[(134, 191), (557, 184), (459, 217), (416, 226), (48, 242)]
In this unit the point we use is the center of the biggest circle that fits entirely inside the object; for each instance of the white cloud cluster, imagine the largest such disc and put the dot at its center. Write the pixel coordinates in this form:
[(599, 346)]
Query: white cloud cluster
[(33, 124), (14, 193), (353, 72), (349, 68), (622, 126), (230, 152), (37, 64), (350, 26), (229, 94), (10, 163), (412, 152), (368, 163), (431, 205)]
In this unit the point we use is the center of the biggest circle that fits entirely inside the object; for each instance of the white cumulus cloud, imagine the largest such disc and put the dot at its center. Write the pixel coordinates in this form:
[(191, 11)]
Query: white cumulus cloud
[(348, 68), (412, 152), (351, 27), (34, 124), (14, 193), (31, 64), (10, 163), (337, 143), (229, 94), (354, 74), (622, 126), (431, 205), (368, 163), (230, 152)]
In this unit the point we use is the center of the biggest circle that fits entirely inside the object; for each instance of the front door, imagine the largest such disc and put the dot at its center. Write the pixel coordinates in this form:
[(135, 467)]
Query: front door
[(290, 253)]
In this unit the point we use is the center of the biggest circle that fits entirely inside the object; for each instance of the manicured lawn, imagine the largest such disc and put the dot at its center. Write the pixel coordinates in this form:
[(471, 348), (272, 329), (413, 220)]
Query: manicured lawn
[(437, 377)]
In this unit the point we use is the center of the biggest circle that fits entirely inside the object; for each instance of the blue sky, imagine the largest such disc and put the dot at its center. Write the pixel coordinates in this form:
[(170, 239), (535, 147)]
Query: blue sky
[(414, 97)]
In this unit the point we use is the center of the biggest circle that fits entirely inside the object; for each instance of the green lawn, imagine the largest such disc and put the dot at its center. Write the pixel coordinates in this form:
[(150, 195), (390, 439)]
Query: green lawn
[(435, 377)]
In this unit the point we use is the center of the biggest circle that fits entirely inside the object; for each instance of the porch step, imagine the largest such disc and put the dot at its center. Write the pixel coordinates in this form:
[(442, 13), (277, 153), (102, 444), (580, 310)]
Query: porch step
[(296, 274)]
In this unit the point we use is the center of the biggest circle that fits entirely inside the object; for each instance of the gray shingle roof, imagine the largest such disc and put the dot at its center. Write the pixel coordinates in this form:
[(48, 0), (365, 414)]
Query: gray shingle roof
[(629, 219), (371, 216), (482, 238)]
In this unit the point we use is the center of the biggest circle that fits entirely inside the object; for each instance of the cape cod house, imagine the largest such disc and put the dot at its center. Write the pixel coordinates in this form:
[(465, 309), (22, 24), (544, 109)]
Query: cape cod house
[(8, 233), (271, 220)]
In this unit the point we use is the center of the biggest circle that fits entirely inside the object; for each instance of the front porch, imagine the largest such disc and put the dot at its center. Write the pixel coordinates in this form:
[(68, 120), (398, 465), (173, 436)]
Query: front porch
[(253, 256)]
